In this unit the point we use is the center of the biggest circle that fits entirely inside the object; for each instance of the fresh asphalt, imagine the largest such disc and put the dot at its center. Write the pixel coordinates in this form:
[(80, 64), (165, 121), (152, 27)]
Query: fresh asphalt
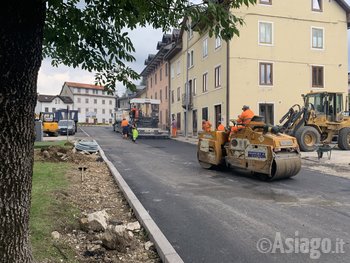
[(220, 215)]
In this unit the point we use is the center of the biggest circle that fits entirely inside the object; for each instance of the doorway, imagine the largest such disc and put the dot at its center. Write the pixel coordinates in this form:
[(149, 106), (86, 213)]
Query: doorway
[(217, 109), (267, 111)]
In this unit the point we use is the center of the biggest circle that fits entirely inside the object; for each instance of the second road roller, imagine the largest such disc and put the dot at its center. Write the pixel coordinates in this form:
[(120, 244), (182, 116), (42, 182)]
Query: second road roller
[(256, 147)]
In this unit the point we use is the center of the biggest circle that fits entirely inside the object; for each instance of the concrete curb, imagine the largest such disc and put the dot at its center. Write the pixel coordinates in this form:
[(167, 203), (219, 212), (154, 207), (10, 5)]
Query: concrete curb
[(165, 250)]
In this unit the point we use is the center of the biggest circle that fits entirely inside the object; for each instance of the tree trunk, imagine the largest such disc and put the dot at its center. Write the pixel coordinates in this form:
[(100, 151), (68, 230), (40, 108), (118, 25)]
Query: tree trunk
[(21, 37)]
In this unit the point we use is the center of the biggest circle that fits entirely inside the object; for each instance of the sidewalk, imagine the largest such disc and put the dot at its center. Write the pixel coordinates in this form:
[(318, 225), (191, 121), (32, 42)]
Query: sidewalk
[(338, 164)]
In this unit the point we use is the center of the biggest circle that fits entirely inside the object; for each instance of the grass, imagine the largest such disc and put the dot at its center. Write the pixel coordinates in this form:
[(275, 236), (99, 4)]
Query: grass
[(50, 214)]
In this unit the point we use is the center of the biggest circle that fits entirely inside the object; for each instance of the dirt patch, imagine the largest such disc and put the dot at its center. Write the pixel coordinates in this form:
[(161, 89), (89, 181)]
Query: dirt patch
[(94, 191)]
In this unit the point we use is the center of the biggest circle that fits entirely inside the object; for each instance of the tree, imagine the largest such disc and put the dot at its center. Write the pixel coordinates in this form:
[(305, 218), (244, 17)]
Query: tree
[(90, 34)]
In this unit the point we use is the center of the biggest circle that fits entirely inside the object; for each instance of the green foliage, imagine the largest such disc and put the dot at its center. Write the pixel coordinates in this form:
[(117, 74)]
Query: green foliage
[(92, 34)]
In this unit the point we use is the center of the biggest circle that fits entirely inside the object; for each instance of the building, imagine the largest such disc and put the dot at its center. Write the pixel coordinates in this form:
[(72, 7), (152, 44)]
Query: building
[(156, 74), (281, 53), (92, 102), (123, 102), (52, 103)]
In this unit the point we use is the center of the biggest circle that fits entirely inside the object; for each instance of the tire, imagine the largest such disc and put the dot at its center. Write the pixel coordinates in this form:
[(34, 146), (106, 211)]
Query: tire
[(308, 138), (344, 138)]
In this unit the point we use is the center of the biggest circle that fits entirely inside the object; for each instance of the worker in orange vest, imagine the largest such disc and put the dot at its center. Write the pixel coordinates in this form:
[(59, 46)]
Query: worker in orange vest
[(206, 126), (220, 127), (245, 117), (125, 128)]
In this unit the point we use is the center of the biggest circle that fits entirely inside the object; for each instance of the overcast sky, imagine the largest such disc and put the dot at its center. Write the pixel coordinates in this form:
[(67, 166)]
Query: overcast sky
[(145, 40)]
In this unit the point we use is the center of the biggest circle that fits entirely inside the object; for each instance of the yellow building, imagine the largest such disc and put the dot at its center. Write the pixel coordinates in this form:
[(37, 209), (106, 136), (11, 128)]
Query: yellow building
[(285, 49)]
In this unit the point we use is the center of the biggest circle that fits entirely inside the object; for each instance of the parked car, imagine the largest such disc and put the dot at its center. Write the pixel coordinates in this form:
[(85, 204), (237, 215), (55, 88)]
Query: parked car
[(66, 126)]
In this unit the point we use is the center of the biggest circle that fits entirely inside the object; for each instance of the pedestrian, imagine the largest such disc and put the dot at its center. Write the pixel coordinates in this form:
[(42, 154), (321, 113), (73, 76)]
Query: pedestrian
[(135, 133), (220, 127), (173, 127), (125, 128)]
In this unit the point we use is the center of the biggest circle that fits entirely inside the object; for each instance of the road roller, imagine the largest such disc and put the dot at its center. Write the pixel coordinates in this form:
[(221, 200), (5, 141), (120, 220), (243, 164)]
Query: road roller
[(257, 147)]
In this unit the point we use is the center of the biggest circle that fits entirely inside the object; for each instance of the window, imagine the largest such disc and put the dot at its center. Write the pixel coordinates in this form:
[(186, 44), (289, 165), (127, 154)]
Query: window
[(205, 84), (151, 82), (217, 76), (265, 33), (155, 79), (103, 102), (217, 42), (79, 90), (53, 109), (166, 69), (46, 109), (190, 59), (86, 100), (103, 111), (205, 113), (178, 93), (172, 96), (160, 74), (178, 68), (317, 38), (205, 48), (317, 77), (87, 110), (267, 111), (178, 120), (110, 111), (160, 95), (86, 91), (194, 88), (265, 74), (110, 102), (172, 71), (79, 100), (265, 2), (79, 110), (166, 92), (317, 5), (103, 120), (95, 101), (95, 110)]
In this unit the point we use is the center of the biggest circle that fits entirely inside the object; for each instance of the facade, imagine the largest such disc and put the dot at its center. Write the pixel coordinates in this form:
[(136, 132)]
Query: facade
[(281, 53), (156, 74), (52, 103), (94, 105)]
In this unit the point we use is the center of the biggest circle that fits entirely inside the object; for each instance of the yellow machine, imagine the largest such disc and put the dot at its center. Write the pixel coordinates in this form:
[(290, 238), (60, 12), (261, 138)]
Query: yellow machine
[(321, 120), (257, 147), (49, 122)]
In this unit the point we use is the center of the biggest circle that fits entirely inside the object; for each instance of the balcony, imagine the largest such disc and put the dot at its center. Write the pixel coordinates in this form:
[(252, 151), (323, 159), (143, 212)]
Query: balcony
[(190, 101)]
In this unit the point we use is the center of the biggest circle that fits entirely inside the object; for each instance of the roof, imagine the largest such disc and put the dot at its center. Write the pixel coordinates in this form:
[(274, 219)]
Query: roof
[(344, 5), (83, 85), (50, 98)]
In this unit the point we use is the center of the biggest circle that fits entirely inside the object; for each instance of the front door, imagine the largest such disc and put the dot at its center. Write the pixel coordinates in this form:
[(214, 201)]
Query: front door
[(217, 115), (267, 111), (194, 122)]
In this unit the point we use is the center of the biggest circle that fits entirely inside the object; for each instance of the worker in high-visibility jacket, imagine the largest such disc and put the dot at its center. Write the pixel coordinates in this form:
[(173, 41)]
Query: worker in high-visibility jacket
[(125, 128), (206, 126), (220, 127), (245, 117)]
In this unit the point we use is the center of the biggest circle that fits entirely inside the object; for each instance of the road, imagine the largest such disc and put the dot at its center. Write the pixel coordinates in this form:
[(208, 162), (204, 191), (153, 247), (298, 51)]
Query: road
[(220, 215)]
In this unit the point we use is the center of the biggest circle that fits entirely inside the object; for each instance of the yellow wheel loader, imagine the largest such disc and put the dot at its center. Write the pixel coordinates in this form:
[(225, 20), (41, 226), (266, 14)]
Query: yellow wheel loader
[(255, 147), (321, 120), (49, 122)]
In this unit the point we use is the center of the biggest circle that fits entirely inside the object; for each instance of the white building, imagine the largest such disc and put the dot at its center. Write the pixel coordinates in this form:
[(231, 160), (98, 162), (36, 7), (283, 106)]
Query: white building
[(52, 103), (92, 102)]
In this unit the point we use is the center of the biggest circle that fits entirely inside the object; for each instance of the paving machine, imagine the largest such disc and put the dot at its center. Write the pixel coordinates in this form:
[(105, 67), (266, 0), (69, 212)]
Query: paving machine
[(256, 147), (321, 120)]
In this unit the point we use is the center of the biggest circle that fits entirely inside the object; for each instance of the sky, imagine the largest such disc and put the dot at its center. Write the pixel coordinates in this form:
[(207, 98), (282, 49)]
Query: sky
[(51, 79)]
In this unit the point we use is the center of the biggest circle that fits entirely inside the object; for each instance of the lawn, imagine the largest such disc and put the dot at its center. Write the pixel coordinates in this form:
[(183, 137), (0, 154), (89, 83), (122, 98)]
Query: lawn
[(49, 213), (43, 144)]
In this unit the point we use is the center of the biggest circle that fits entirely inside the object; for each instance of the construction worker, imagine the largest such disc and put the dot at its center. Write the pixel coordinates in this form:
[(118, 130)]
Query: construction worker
[(243, 119), (220, 127), (206, 126), (173, 127), (125, 128)]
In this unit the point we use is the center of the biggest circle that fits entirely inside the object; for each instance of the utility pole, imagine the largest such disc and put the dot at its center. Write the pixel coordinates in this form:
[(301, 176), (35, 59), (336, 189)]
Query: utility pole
[(186, 85)]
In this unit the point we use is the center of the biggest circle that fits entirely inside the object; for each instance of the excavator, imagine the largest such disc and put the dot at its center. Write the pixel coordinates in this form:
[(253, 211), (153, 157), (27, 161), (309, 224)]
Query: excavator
[(319, 121), (49, 122), (256, 147)]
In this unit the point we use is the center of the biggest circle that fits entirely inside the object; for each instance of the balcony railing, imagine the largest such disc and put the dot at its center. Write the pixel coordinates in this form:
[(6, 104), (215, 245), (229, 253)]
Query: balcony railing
[(190, 101)]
